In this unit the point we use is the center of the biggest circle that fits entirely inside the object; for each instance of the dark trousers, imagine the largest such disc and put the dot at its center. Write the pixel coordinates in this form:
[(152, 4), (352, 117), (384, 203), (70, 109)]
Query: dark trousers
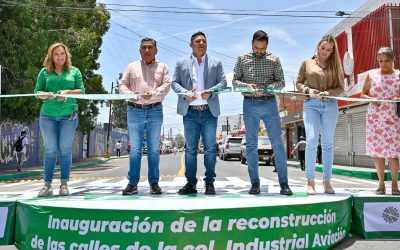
[(118, 152), (302, 157)]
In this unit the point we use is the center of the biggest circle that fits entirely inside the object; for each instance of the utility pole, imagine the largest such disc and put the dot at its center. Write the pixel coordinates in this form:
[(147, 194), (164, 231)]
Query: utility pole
[(0, 92), (109, 126), (227, 124), (240, 122)]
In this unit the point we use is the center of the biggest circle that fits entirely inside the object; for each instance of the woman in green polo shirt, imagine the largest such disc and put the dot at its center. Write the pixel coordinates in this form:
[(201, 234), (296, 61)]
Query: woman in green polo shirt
[(58, 115)]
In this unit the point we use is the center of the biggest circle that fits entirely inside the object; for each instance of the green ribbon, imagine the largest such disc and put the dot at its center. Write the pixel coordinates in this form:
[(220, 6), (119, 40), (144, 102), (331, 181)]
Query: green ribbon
[(212, 90), (82, 96)]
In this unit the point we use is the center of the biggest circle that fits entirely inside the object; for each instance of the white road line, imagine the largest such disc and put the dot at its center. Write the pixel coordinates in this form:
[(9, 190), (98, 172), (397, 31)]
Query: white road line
[(99, 183), (364, 181), (295, 181), (342, 181), (179, 179), (265, 181), (237, 182), (112, 169), (121, 183), (12, 184), (58, 182), (315, 180)]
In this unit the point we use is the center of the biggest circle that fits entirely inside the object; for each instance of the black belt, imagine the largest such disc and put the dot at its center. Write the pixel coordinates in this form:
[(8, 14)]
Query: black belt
[(259, 98), (199, 107), (144, 106)]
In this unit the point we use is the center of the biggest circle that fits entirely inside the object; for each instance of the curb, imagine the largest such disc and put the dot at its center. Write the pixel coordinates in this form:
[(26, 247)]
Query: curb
[(370, 175), (29, 173), (362, 174)]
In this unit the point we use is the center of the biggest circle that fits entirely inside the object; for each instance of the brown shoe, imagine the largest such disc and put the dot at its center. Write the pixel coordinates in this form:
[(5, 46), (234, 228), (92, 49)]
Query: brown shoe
[(311, 188), (328, 188), (130, 190), (155, 188)]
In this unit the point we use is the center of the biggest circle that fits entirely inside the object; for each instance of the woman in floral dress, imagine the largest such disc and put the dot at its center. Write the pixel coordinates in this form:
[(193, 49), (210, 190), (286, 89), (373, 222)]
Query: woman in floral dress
[(383, 124)]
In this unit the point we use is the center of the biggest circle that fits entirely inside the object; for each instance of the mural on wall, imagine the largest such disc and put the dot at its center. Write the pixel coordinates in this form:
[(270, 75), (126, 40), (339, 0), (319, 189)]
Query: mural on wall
[(76, 146), (100, 143), (9, 133), (85, 147)]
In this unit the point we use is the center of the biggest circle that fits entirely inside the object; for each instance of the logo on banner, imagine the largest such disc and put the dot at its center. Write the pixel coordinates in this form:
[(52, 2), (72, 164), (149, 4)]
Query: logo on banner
[(391, 215), (3, 220), (381, 216)]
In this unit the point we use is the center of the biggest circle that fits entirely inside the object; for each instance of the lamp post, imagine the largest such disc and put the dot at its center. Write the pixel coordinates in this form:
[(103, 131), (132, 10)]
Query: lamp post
[(107, 155), (0, 92), (227, 124)]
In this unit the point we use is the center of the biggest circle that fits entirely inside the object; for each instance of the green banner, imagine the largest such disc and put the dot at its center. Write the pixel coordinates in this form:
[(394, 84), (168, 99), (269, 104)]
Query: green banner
[(299, 226), (7, 222), (376, 217)]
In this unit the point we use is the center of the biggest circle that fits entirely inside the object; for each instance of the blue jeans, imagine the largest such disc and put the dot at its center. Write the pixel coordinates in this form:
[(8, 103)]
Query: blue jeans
[(267, 110), (198, 123), (320, 118), (141, 121), (58, 135)]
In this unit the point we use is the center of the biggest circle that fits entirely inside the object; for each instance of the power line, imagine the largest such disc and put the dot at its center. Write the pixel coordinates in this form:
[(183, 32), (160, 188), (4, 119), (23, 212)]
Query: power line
[(198, 11), (162, 45), (217, 9), (165, 33)]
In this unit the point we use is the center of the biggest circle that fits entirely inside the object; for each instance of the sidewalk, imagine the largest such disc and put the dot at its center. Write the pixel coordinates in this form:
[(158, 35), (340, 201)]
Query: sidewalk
[(357, 172), (11, 174)]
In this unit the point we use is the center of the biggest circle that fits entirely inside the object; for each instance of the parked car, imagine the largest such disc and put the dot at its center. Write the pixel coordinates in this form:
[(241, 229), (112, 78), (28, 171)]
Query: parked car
[(218, 146), (265, 152), (144, 149), (201, 149), (230, 148)]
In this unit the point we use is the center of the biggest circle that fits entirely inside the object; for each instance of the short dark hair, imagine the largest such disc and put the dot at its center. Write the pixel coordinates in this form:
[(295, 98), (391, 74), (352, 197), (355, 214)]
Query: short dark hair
[(260, 35), (148, 39), (23, 132), (198, 33)]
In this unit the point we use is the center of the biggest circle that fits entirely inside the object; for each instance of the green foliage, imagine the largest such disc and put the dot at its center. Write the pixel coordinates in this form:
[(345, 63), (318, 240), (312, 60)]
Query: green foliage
[(180, 140), (118, 115), (28, 28)]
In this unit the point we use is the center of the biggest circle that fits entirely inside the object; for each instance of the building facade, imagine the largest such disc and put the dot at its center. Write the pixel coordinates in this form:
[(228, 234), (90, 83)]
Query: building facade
[(359, 36)]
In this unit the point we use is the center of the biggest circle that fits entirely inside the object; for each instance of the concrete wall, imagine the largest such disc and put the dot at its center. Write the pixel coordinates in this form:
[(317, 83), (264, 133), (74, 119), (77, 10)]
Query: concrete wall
[(94, 144)]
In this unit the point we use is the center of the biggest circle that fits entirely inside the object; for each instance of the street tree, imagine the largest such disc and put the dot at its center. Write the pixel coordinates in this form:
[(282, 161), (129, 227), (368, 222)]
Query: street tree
[(180, 140), (118, 114), (28, 28)]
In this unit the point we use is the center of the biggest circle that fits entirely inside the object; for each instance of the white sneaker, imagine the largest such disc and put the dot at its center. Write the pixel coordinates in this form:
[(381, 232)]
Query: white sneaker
[(63, 190), (45, 191)]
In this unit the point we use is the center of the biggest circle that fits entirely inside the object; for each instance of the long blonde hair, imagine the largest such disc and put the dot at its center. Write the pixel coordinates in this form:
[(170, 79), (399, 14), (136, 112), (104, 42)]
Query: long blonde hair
[(48, 61), (334, 64)]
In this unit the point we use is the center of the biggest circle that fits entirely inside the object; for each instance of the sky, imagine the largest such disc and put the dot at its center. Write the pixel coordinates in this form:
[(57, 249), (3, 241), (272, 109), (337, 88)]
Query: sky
[(291, 38)]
